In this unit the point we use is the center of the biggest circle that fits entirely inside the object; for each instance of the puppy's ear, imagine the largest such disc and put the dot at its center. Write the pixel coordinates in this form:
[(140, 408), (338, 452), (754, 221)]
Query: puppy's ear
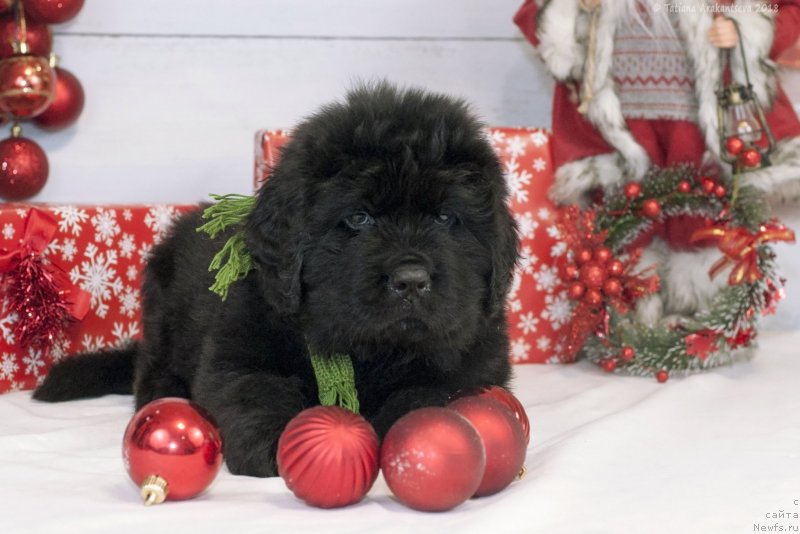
[(274, 233), (504, 254)]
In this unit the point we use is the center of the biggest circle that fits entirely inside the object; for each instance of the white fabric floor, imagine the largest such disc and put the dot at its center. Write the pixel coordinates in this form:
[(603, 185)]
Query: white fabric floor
[(711, 453)]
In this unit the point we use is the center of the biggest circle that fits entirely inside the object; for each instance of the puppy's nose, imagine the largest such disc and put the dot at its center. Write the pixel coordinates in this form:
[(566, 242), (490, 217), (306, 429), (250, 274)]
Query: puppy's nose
[(410, 281)]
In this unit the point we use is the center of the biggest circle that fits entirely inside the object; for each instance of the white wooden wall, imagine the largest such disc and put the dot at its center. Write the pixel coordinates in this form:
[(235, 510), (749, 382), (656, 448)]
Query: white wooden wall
[(176, 88)]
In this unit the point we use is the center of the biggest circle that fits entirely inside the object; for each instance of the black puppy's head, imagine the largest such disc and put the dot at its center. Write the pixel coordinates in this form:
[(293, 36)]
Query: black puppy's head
[(385, 223)]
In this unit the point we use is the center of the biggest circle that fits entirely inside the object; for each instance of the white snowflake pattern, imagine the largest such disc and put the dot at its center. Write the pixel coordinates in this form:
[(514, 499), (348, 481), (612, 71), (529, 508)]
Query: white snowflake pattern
[(543, 343), (14, 386), (543, 214), (159, 219), (68, 250), (496, 137), (528, 322), (526, 224), (558, 309), (60, 349), (519, 350), (555, 358), (553, 232), (516, 282), (515, 146), (538, 138), (33, 362), (546, 278), (99, 277), (7, 321), (144, 252), (132, 272), (558, 250), (106, 227), (8, 231), (71, 219), (517, 180), (8, 366), (123, 336), (527, 260), (127, 215), (129, 301), (127, 246), (539, 165), (93, 343)]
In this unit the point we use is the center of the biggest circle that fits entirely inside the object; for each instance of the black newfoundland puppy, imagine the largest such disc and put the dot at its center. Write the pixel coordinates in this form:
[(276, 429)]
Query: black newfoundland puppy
[(383, 233)]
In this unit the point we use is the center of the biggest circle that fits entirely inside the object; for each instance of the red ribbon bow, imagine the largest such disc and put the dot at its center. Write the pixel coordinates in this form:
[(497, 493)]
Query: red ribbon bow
[(41, 293), (740, 247)]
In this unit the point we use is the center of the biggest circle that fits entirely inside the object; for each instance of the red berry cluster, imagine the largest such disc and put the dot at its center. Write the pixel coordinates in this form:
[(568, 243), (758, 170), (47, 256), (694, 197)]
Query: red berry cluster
[(748, 156), (594, 274), (651, 207)]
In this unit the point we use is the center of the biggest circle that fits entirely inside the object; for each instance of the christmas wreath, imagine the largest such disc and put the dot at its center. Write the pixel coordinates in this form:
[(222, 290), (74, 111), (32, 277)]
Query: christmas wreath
[(606, 240)]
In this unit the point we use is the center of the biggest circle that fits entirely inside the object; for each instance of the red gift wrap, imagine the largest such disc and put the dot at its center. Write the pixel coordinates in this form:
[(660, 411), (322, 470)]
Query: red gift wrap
[(538, 306), (95, 255)]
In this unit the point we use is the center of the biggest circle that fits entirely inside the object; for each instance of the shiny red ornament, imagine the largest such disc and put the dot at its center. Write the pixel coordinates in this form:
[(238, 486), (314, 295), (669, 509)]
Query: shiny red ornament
[(608, 365), (612, 287), (23, 168), (328, 456), (172, 450), (734, 145), (27, 86), (576, 290), (583, 256), (627, 354), (503, 440), (662, 376), (593, 298), (52, 11), (708, 185), (571, 271), (750, 157), (67, 104), (616, 268), (593, 275), (433, 459), (507, 399), (38, 37), (684, 186), (651, 208), (632, 190), (720, 191), (602, 254)]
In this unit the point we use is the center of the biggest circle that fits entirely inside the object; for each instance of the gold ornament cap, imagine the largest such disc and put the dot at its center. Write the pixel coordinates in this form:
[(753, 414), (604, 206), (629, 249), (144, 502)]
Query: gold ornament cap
[(154, 490)]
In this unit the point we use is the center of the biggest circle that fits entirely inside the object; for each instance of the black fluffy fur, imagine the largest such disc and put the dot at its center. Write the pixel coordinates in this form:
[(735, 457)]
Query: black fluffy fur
[(322, 278)]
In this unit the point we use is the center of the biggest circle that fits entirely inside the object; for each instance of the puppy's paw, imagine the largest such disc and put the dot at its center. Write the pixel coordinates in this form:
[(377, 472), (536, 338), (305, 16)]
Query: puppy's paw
[(401, 402)]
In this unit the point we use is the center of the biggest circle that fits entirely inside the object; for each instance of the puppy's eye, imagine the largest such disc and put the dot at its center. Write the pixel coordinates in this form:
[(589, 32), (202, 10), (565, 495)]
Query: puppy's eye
[(358, 220), (444, 219)]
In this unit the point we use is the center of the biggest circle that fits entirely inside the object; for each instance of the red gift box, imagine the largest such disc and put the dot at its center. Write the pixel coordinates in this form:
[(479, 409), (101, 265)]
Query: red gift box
[(537, 305), (99, 249)]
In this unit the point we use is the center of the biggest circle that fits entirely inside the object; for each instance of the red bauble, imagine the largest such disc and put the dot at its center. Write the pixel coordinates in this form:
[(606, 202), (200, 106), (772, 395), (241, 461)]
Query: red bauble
[(571, 271), (615, 268), (627, 354), (720, 191), (608, 365), (584, 255), (328, 456), (172, 449), (734, 145), (662, 376), (67, 104), (632, 190), (602, 254), (23, 168), (593, 298), (52, 11), (708, 185), (651, 208), (27, 86), (684, 187), (5, 5), (433, 459), (503, 440), (593, 275), (612, 287), (38, 37), (750, 157), (507, 399), (576, 290)]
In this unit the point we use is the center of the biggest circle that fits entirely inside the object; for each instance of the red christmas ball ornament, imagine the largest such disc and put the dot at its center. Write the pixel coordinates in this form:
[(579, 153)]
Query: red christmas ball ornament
[(593, 275), (632, 190), (503, 440), (608, 365), (651, 208), (576, 290), (433, 459), (172, 450), (616, 268), (67, 104), (328, 456), (720, 191), (612, 287), (708, 185), (602, 254), (734, 145), (662, 376), (23, 167), (507, 399), (584, 255), (38, 37), (684, 186), (571, 271), (593, 298), (5, 5), (750, 158), (27, 86), (627, 353), (52, 11)]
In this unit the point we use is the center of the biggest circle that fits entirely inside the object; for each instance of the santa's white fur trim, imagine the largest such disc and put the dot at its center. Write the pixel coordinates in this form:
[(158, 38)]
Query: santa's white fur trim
[(574, 179), (558, 46)]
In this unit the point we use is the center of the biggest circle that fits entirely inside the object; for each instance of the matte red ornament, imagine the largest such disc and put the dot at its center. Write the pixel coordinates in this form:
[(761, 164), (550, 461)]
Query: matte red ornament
[(662, 376), (632, 190), (576, 290), (52, 11), (602, 254), (583, 256), (608, 365), (433, 459), (67, 104), (720, 191), (616, 268), (684, 186), (27, 86), (627, 353), (612, 287), (328, 456), (38, 37), (507, 399), (750, 157), (734, 145), (593, 275), (23, 168), (503, 440), (172, 450), (651, 208), (593, 298)]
